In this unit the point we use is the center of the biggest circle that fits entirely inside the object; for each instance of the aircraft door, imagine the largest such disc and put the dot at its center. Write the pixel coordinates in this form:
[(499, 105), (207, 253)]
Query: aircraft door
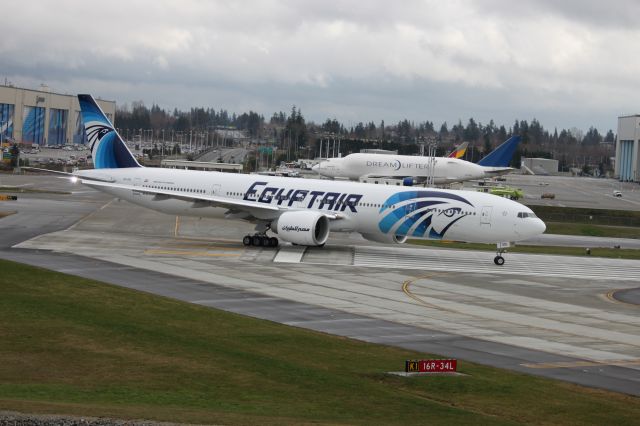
[(485, 216), (137, 182), (216, 190)]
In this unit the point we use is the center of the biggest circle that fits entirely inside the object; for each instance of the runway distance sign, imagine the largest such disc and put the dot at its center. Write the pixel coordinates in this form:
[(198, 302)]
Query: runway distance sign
[(431, 366)]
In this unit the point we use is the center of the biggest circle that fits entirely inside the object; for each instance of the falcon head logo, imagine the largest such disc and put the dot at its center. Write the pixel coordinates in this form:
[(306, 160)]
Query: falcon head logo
[(95, 133)]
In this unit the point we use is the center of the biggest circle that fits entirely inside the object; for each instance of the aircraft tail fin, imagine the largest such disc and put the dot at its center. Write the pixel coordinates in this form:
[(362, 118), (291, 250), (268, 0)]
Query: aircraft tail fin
[(502, 155), (459, 151), (108, 150)]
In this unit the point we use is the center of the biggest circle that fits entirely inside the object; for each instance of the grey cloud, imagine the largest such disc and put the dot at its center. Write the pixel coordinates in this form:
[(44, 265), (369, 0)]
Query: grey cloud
[(614, 14), (565, 63)]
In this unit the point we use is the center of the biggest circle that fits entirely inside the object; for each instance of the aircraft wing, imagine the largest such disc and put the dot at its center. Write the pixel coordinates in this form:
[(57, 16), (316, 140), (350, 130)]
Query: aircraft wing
[(68, 175), (206, 200), (422, 179), (497, 171), (165, 193)]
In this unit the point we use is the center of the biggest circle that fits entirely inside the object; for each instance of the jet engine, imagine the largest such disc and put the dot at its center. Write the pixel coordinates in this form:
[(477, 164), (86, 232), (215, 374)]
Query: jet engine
[(306, 228), (385, 238), (408, 181)]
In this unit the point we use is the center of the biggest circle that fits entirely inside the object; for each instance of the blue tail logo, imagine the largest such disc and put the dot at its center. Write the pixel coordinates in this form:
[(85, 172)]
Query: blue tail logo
[(107, 147)]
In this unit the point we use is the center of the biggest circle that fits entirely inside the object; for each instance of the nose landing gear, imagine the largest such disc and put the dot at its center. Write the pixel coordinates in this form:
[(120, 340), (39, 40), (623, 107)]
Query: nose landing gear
[(501, 248)]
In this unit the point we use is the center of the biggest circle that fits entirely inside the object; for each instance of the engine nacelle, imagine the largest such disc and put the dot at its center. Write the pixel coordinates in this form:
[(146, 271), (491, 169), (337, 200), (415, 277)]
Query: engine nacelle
[(408, 181), (306, 228), (385, 238)]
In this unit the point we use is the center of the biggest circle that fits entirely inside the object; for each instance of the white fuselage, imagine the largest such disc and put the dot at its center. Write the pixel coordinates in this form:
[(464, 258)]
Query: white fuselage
[(360, 166), (364, 208)]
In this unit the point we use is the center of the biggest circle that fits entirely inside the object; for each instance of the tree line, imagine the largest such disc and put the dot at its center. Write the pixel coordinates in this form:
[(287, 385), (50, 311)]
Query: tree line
[(291, 132)]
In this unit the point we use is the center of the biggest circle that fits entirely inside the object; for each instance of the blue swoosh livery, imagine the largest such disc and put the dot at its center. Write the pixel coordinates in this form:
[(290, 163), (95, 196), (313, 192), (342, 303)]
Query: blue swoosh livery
[(108, 150), (417, 209)]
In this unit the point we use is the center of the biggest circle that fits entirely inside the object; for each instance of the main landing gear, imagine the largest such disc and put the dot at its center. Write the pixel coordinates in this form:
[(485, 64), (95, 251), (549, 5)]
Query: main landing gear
[(258, 240)]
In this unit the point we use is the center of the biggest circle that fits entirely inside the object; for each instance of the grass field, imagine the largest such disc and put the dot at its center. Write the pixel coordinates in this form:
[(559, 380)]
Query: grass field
[(75, 346), (592, 230)]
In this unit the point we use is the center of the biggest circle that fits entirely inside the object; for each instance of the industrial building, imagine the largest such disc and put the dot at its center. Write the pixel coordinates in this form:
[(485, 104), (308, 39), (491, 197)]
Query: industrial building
[(42, 117), (627, 161), (539, 166)]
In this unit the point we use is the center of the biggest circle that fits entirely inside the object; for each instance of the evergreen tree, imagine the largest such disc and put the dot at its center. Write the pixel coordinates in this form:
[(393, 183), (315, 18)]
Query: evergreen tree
[(472, 131), (610, 137)]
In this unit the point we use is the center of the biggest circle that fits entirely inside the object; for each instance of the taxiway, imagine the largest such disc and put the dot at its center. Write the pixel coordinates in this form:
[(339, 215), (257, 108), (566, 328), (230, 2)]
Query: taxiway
[(547, 315)]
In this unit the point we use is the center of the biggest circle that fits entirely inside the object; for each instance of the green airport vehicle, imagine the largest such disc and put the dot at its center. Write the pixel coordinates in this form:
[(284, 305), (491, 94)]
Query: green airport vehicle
[(507, 192)]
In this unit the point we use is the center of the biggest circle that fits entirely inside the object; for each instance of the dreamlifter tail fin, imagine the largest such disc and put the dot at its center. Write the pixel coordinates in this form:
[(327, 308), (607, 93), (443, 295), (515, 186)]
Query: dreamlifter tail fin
[(502, 155)]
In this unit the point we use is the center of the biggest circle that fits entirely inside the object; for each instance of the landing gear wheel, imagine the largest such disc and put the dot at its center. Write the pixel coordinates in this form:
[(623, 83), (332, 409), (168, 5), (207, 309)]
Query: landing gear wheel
[(260, 240), (501, 248)]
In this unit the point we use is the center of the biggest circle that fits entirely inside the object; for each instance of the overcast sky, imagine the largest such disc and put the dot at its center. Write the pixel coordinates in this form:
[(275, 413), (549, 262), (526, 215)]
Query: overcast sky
[(567, 63)]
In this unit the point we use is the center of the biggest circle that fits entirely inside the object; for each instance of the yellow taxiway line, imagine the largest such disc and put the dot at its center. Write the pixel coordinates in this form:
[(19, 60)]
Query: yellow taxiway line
[(610, 296), (176, 229), (407, 291)]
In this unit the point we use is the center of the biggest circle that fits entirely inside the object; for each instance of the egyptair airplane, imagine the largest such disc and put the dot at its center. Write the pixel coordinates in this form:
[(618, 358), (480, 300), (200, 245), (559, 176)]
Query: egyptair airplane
[(300, 211), (416, 169)]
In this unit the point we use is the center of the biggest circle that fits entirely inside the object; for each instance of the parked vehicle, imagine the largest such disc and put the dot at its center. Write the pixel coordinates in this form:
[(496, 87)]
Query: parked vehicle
[(507, 192)]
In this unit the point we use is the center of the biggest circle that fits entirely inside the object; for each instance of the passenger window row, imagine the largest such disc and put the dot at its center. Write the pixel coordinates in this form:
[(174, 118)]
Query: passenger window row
[(167, 188)]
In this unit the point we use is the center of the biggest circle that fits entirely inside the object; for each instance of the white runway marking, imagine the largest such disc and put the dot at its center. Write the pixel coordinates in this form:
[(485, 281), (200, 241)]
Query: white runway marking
[(290, 254)]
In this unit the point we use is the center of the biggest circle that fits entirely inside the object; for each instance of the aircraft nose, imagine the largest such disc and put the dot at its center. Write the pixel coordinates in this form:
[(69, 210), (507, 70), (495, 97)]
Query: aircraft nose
[(533, 228), (315, 167)]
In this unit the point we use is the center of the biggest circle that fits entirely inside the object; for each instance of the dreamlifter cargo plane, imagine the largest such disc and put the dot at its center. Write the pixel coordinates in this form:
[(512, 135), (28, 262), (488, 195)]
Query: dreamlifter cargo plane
[(300, 211), (415, 170)]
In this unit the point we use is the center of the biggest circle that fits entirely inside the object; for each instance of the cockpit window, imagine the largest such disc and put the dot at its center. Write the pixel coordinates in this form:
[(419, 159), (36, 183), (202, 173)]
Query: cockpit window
[(526, 214)]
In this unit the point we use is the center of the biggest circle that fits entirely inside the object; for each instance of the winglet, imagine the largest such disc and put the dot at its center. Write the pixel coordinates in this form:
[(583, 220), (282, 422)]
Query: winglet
[(502, 155), (108, 150)]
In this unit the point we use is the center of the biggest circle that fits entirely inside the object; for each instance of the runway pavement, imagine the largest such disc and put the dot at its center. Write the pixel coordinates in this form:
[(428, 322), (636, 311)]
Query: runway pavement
[(547, 315)]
